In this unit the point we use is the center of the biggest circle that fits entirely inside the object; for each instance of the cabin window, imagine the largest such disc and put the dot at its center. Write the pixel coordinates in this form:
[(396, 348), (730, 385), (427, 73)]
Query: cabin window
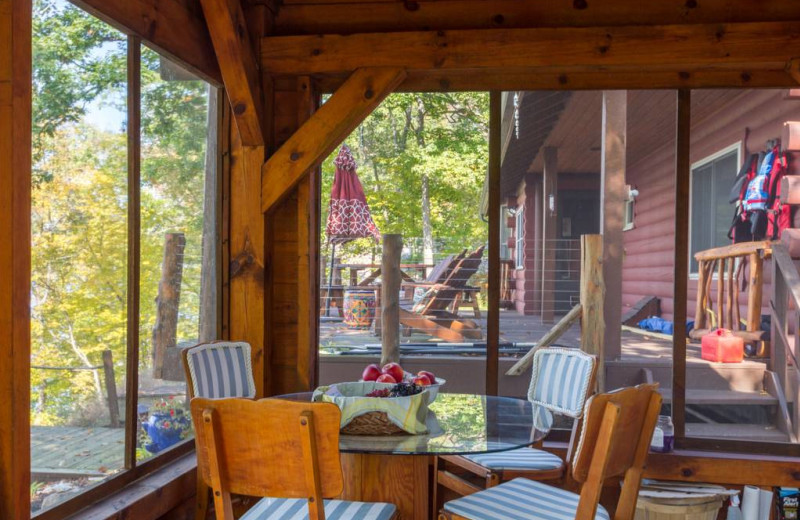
[(104, 296), (505, 234), (630, 205), (519, 243), (711, 212)]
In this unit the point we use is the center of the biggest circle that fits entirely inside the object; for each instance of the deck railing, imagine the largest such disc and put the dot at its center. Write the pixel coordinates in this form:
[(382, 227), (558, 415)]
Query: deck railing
[(785, 323)]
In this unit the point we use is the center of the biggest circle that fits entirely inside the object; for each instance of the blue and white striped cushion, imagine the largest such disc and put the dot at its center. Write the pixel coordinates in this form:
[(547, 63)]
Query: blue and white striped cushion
[(560, 379), (221, 370), (297, 509), (521, 459), (520, 499)]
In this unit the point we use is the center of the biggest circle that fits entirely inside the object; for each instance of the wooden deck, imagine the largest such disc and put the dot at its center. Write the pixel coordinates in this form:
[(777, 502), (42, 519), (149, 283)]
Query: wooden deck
[(72, 452)]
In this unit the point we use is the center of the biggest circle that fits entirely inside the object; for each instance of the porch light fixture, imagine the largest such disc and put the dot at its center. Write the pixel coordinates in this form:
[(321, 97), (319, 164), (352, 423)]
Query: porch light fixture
[(551, 203)]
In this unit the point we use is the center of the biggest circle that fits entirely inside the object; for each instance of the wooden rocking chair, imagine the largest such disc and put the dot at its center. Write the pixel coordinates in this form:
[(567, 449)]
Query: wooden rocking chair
[(432, 314)]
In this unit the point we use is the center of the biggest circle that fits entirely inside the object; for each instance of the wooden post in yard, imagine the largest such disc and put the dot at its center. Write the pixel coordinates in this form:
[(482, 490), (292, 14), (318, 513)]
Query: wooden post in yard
[(390, 298), (593, 291), (111, 389), (165, 330)]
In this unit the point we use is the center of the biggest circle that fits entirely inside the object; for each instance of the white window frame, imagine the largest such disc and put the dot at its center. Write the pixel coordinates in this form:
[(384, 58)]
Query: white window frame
[(628, 211), (505, 233), (519, 238), (737, 147)]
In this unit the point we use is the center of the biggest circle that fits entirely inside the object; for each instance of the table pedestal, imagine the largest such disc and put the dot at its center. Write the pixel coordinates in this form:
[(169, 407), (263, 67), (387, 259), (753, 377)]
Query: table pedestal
[(402, 480)]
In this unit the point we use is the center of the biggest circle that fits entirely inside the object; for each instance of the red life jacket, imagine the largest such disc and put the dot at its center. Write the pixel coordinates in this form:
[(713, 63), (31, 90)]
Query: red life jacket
[(759, 190)]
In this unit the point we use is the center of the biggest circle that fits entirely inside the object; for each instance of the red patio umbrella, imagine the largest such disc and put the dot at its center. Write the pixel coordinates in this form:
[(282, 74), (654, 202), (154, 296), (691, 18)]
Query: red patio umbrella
[(349, 217)]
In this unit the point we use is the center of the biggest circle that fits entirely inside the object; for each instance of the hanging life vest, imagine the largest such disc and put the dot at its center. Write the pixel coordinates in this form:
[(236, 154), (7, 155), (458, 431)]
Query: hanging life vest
[(759, 214)]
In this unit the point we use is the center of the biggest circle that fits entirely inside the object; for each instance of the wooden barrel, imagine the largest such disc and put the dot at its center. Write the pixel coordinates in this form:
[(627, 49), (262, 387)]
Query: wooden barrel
[(706, 509)]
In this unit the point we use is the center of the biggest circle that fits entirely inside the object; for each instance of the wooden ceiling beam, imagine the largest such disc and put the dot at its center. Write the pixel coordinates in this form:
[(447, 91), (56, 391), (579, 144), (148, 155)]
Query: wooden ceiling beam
[(375, 16), (354, 100), (240, 75), (174, 28), (760, 45), (489, 79)]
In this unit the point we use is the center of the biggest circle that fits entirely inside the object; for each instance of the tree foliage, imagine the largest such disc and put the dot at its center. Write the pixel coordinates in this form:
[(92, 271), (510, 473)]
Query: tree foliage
[(409, 137)]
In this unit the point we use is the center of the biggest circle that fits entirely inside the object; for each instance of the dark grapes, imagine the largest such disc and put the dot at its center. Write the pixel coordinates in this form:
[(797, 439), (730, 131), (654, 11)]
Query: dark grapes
[(405, 389)]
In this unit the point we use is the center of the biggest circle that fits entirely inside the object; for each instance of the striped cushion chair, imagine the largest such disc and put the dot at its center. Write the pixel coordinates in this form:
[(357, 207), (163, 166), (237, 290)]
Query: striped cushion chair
[(562, 379), (220, 369), (619, 423), (217, 370)]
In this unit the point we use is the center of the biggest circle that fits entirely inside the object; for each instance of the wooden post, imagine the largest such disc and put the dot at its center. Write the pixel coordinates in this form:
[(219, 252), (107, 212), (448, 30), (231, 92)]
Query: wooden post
[(390, 298), (111, 389), (493, 321), (592, 294), (208, 328), (165, 330), (613, 148), (549, 221), (754, 292)]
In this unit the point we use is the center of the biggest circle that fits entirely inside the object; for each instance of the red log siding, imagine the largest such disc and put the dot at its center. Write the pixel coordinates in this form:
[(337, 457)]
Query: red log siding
[(527, 295), (648, 262)]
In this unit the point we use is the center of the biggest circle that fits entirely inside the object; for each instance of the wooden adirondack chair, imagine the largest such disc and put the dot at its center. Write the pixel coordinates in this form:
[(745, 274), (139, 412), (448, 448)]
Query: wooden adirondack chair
[(432, 314)]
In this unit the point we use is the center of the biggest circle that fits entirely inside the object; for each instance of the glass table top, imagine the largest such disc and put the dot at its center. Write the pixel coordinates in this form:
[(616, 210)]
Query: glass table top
[(459, 424)]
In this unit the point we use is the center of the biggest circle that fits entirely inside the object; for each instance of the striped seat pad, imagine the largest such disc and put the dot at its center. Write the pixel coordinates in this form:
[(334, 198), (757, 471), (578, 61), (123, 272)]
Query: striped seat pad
[(297, 509), (520, 459), (222, 370), (520, 499)]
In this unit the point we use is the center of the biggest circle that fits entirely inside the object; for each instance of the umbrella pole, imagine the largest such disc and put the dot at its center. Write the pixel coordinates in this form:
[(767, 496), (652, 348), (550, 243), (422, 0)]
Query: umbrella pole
[(330, 283)]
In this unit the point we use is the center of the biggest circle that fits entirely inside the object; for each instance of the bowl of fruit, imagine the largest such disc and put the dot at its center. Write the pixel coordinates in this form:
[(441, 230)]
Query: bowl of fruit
[(393, 373)]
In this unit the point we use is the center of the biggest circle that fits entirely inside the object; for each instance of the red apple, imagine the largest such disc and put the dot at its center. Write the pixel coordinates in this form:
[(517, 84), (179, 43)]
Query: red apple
[(422, 381), (394, 370), (386, 378), (371, 373), (429, 375)]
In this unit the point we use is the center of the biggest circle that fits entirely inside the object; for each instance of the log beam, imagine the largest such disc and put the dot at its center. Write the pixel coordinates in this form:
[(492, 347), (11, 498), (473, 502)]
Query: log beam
[(325, 130), (686, 48), (238, 65), (175, 28), (377, 15)]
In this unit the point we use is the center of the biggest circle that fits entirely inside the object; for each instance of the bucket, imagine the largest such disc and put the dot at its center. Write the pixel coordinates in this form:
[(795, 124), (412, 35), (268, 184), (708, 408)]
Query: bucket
[(359, 309), (700, 508)]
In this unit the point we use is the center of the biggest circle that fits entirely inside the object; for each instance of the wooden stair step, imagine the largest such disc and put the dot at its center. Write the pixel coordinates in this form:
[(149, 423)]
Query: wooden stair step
[(722, 397), (750, 432)]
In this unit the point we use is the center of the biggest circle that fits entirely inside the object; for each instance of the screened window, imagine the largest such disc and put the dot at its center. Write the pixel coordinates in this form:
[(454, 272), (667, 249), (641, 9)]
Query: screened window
[(711, 213), (505, 234)]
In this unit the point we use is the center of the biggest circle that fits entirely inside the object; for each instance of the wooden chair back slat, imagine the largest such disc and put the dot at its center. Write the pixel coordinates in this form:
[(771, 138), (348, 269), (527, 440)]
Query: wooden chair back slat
[(639, 407), (269, 447)]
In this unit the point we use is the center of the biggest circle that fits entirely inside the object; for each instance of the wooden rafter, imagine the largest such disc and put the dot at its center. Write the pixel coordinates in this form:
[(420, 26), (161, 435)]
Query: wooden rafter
[(324, 130), (174, 28), (685, 48), (377, 15), (229, 34)]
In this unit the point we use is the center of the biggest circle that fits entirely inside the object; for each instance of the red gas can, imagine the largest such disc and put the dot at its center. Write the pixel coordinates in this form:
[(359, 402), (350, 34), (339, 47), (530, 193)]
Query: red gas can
[(721, 346)]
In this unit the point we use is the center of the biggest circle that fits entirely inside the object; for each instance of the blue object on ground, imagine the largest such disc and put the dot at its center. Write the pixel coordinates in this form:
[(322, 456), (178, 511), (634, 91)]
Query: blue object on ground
[(656, 324)]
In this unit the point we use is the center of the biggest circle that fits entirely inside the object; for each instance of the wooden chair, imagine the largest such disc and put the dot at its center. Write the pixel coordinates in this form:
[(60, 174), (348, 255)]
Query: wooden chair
[(215, 370), (615, 439), (432, 314), (561, 381), (285, 451)]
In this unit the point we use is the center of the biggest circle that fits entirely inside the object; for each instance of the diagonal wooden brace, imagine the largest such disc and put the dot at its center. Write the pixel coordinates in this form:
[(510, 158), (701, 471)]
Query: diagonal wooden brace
[(325, 130)]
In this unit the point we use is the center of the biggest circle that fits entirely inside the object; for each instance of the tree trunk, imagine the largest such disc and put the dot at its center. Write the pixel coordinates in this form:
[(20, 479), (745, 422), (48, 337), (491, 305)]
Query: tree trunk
[(427, 231), (165, 330), (208, 270)]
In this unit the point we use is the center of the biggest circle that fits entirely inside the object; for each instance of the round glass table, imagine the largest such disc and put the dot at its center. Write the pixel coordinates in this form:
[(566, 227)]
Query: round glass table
[(396, 468)]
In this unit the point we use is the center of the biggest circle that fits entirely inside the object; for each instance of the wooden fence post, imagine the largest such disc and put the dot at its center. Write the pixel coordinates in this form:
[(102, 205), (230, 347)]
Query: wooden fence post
[(165, 330), (111, 388), (390, 298), (593, 292)]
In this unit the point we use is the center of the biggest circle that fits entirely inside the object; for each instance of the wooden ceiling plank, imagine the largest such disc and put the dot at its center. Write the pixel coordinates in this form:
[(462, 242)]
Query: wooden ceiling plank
[(240, 74), (325, 130), (174, 28), (761, 45), (336, 17)]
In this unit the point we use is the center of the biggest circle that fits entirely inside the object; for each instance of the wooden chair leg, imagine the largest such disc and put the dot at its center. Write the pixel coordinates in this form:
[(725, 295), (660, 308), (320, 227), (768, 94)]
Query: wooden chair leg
[(476, 309), (203, 494)]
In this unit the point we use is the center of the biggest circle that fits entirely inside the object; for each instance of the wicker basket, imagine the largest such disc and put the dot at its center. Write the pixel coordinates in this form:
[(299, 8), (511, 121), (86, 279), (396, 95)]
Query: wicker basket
[(372, 423)]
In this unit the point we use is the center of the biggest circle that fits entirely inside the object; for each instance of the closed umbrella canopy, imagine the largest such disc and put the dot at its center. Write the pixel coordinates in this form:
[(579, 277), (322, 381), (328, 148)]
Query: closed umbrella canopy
[(348, 213)]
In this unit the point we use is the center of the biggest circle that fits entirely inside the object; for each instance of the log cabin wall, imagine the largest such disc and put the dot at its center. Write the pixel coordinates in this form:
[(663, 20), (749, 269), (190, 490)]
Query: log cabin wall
[(719, 120)]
